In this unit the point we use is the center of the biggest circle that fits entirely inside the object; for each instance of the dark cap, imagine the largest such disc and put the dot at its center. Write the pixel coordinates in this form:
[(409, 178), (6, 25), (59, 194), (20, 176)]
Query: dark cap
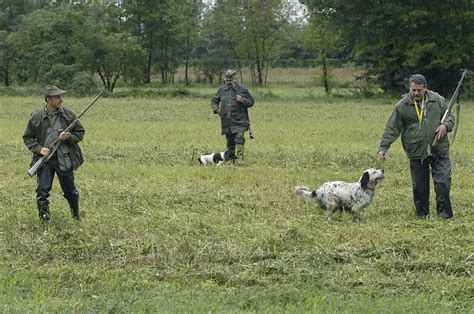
[(229, 75), (51, 90)]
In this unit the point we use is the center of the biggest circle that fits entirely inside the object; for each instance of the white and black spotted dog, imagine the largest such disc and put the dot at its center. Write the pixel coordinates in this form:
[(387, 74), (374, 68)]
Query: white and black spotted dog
[(212, 158), (340, 195)]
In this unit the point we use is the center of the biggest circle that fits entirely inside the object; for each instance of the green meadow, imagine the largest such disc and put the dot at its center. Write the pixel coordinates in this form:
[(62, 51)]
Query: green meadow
[(159, 233)]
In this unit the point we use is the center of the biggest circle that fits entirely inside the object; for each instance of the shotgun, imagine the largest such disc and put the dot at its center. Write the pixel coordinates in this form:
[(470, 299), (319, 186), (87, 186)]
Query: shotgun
[(454, 98), (55, 144), (250, 126)]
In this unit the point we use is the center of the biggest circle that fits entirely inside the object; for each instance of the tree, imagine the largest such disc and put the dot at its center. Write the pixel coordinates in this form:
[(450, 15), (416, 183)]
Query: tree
[(162, 27), (322, 36), (191, 13), (213, 54), (11, 12), (116, 55), (49, 37), (256, 30), (394, 39), (113, 52), (7, 58)]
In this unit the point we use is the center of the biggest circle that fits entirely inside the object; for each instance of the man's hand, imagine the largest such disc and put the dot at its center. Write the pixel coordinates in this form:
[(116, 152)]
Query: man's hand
[(64, 136), (44, 151), (239, 98), (383, 155), (441, 131)]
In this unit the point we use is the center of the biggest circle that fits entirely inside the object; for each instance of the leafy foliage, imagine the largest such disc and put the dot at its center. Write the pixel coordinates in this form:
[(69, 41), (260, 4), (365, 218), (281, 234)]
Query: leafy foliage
[(255, 31), (142, 41), (396, 39)]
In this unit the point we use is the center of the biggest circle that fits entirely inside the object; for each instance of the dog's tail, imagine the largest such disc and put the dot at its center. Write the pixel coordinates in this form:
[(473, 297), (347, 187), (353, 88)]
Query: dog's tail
[(305, 192)]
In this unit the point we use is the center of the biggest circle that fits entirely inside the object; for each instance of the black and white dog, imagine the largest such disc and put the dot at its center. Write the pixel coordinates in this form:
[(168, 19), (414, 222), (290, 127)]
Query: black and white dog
[(212, 158), (339, 195)]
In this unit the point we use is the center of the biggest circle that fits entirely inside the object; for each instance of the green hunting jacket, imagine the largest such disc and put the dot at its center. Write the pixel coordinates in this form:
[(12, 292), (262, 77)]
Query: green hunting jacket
[(417, 137), (234, 115), (37, 130)]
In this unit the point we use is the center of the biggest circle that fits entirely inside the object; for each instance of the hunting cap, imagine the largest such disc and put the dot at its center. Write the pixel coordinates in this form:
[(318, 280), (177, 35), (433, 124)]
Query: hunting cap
[(229, 74), (51, 90)]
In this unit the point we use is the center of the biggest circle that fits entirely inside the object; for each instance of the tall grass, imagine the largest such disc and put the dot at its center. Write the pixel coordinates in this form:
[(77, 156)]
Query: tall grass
[(160, 233), (304, 77)]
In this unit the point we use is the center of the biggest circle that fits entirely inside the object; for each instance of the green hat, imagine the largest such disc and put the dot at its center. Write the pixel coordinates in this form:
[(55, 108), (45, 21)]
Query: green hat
[(229, 74), (51, 90)]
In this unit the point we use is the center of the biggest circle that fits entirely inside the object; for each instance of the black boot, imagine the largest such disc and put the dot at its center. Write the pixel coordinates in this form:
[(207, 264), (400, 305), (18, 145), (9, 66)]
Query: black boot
[(422, 209), (230, 155), (239, 152), (74, 205), (43, 210)]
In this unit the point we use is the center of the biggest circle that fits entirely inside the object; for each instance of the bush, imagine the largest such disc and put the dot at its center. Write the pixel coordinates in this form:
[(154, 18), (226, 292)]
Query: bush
[(60, 75), (367, 89), (467, 90), (83, 84), (70, 78)]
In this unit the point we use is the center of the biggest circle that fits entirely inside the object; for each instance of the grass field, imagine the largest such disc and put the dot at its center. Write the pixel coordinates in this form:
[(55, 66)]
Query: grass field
[(160, 233)]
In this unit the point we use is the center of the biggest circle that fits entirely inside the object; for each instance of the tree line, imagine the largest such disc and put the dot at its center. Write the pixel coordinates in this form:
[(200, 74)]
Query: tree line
[(71, 42)]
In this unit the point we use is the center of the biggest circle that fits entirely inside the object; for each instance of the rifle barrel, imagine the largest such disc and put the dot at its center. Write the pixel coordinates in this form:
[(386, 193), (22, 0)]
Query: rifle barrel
[(454, 97), (450, 105)]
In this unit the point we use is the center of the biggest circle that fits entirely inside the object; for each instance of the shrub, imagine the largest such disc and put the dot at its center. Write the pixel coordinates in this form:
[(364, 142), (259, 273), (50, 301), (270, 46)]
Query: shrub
[(60, 75), (83, 84), (70, 78)]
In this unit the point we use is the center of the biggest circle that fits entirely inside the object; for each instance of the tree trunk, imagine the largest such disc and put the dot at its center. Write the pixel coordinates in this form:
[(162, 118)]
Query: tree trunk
[(114, 81), (149, 64), (102, 78), (239, 65), (259, 72), (6, 76), (325, 73), (147, 71), (186, 63)]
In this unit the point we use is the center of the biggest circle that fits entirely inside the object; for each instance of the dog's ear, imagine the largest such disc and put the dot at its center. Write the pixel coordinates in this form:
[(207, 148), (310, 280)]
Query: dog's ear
[(364, 180)]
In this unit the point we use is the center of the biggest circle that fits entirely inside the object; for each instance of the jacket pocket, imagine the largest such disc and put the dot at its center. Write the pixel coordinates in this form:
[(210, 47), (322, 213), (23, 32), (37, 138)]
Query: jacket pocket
[(76, 156)]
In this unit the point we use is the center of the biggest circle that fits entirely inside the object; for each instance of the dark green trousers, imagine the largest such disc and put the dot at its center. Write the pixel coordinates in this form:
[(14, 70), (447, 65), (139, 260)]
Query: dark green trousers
[(420, 177), (234, 139)]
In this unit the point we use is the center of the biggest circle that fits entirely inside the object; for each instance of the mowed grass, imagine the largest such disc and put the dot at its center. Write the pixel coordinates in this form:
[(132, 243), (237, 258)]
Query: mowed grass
[(160, 233)]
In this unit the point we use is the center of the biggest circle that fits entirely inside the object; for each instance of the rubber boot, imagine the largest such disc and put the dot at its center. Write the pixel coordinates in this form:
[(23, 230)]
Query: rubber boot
[(239, 152), (74, 205), (43, 211), (230, 156)]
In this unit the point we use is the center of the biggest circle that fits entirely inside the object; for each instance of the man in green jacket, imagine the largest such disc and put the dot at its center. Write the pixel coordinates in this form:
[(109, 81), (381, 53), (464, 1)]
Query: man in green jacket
[(417, 118), (44, 126), (231, 103)]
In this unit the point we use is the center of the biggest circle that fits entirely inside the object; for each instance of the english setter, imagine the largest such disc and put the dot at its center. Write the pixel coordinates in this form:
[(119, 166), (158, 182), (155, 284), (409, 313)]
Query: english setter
[(339, 195)]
